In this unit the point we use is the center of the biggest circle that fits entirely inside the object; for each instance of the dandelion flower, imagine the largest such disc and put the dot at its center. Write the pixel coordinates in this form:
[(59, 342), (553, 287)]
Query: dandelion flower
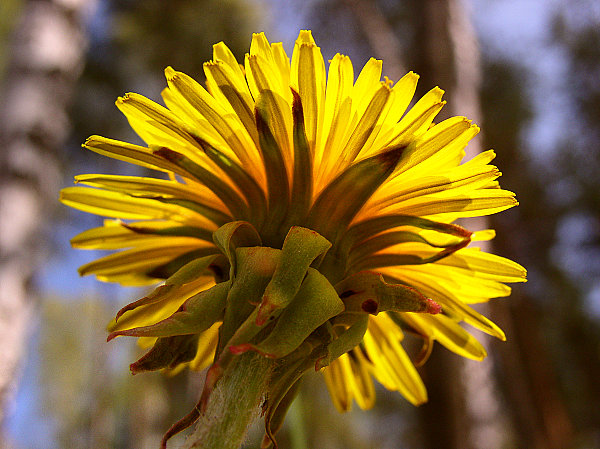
[(303, 214)]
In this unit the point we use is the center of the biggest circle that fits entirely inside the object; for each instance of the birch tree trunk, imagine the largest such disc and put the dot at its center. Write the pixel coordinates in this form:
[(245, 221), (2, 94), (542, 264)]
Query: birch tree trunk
[(46, 58)]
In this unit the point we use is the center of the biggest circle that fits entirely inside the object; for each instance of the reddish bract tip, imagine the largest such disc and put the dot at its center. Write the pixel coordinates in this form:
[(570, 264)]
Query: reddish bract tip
[(320, 363), (432, 307), (240, 349), (264, 312), (245, 347), (111, 336), (168, 154), (123, 333), (133, 368), (213, 374)]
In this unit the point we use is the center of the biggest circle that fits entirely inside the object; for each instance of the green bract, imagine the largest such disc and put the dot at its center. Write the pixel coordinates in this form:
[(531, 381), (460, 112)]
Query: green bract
[(274, 303)]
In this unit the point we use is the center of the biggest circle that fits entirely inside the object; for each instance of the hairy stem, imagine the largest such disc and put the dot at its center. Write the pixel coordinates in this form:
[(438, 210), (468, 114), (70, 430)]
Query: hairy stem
[(233, 405)]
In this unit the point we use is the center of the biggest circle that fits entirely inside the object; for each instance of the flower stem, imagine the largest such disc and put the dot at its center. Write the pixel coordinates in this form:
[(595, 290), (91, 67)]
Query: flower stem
[(233, 404)]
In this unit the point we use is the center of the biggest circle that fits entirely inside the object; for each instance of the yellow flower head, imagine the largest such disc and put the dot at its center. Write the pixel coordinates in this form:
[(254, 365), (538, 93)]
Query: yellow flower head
[(304, 215)]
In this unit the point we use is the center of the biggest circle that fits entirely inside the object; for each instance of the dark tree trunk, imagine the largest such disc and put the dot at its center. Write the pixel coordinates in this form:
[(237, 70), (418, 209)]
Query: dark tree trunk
[(463, 410)]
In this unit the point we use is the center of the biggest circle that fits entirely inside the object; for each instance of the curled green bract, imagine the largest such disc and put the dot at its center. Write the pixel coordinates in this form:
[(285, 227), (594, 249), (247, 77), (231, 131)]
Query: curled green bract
[(272, 301)]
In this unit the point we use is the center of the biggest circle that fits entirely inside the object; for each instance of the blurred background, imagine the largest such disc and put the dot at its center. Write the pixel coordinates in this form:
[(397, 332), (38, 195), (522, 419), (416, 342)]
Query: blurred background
[(527, 71)]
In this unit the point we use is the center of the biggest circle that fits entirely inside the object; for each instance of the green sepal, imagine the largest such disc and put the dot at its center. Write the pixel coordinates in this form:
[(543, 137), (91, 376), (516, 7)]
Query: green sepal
[(184, 275), (167, 352), (300, 248), (246, 184), (344, 342), (197, 314), (368, 292), (391, 260), (363, 230), (371, 246), (315, 303), (173, 231), (302, 185), (234, 235), (221, 189), (275, 415), (459, 311), (181, 425), (277, 177), (285, 377), (341, 200), (254, 268), (168, 269)]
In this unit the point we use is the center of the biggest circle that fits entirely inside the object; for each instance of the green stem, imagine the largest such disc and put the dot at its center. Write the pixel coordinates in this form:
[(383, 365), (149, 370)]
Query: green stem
[(233, 404)]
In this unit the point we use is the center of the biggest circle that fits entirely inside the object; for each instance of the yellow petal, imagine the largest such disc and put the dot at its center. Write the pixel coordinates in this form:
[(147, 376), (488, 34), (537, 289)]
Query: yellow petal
[(153, 313), (471, 288), (282, 62), (471, 204), (448, 333), (391, 365), (449, 184), (361, 381), (221, 52), (128, 152), (144, 186), (334, 148), (338, 386), (144, 258), (308, 77), (117, 236), (450, 299), (490, 266), (226, 123), (260, 46), (367, 83), (262, 70), (207, 345), (227, 87), (155, 124), (339, 86), (418, 119), (483, 235), (404, 91), (276, 113), (438, 139), (357, 143), (119, 205)]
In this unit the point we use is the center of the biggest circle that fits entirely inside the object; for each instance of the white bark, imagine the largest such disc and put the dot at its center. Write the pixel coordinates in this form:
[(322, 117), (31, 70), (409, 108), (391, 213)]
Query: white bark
[(47, 55)]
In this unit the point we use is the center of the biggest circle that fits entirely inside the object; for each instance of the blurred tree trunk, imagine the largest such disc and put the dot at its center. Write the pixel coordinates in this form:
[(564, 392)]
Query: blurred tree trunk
[(537, 411), (463, 402), (46, 58), (539, 415), (380, 34)]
